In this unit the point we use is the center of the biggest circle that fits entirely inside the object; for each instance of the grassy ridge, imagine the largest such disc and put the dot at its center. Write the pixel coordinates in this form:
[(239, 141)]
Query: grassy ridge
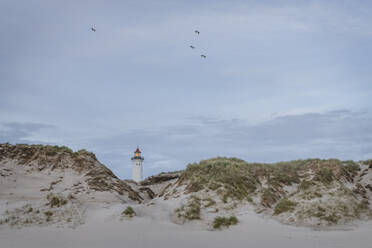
[(284, 187), (236, 179)]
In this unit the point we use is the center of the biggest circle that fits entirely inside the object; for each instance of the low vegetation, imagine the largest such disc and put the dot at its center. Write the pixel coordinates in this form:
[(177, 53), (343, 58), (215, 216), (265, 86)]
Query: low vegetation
[(208, 202), (284, 205), (56, 200), (28, 151), (53, 150), (129, 212), (324, 175), (279, 187), (313, 190), (220, 221)]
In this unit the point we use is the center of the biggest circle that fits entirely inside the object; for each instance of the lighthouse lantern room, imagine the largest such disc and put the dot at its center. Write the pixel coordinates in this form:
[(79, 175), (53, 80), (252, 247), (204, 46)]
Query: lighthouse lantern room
[(137, 166)]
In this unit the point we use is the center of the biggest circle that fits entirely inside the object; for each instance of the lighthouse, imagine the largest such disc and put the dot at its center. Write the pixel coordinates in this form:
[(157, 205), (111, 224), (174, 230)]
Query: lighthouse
[(137, 166)]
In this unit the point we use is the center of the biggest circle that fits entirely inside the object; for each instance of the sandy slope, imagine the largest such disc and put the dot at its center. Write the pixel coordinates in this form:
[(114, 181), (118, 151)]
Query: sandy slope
[(104, 230), (95, 198)]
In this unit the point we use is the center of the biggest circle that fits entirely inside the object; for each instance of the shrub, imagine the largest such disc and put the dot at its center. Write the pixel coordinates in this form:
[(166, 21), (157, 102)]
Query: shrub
[(284, 205), (129, 212), (219, 221)]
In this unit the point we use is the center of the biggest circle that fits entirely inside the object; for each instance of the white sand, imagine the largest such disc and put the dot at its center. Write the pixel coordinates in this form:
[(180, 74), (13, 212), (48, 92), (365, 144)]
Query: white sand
[(103, 230)]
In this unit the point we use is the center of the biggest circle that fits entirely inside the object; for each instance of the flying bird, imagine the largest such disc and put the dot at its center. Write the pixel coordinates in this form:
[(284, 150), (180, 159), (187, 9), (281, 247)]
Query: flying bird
[(197, 32), (203, 56), (93, 29), (192, 47)]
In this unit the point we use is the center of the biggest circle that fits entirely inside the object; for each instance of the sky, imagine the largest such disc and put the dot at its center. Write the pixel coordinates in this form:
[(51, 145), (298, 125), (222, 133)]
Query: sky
[(281, 80)]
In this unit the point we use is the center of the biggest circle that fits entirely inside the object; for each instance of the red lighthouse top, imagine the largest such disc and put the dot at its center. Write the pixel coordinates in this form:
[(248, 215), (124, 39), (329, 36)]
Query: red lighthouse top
[(137, 154)]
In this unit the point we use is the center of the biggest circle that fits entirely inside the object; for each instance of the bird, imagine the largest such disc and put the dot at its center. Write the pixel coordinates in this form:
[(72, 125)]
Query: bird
[(203, 56), (93, 29), (197, 32), (192, 47)]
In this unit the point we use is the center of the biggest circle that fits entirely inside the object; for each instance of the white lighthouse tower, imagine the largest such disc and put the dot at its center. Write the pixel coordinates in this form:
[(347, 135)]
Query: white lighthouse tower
[(137, 166)]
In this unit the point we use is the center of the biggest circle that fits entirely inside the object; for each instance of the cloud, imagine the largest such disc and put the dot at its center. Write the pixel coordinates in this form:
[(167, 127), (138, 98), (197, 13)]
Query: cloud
[(339, 134), (136, 82), (15, 132), (342, 134)]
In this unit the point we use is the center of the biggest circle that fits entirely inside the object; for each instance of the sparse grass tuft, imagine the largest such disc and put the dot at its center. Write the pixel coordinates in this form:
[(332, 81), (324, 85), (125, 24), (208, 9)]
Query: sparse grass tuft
[(48, 215), (191, 211)]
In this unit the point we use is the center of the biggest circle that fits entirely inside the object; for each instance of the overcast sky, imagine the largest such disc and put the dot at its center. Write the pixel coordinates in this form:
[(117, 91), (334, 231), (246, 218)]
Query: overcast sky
[(282, 80)]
